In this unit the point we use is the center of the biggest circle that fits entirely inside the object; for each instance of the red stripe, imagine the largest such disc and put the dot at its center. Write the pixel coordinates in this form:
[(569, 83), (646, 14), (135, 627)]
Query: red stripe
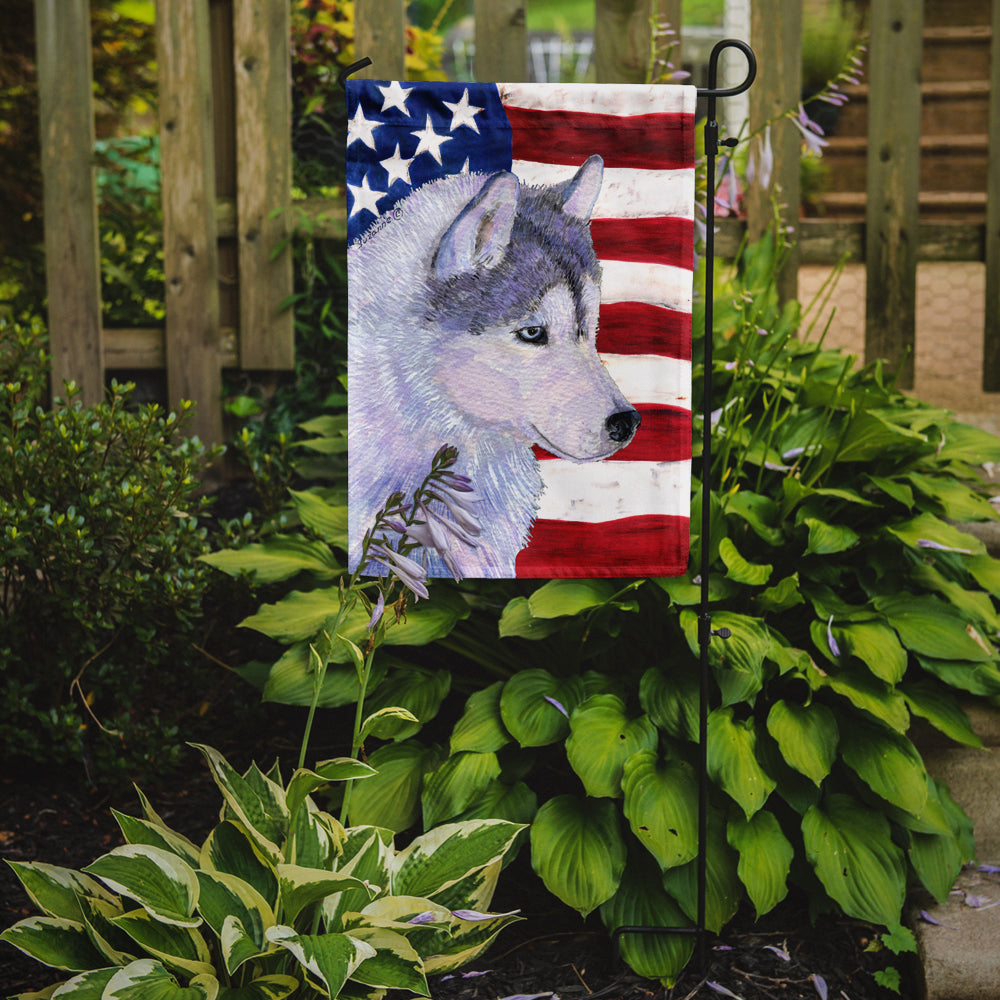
[(663, 436), (659, 240), (640, 328), (651, 545), (650, 142)]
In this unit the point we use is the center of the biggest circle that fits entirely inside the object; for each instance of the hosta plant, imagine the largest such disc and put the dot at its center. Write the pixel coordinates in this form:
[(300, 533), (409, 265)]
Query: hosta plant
[(279, 900)]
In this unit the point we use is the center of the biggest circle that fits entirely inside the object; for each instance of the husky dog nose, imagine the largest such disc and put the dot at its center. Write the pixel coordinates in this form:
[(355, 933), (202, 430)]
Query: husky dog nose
[(623, 424)]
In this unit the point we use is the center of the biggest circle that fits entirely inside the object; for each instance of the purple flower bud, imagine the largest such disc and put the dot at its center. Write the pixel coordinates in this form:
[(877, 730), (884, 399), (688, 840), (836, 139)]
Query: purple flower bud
[(377, 612), (927, 543), (552, 701), (427, 917), (834, 648), (820, 983)]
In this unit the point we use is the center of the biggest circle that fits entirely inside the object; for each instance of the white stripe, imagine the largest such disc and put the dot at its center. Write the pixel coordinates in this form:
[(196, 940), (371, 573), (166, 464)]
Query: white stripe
[(657, 284), (626, 192), (601, 99), (606, 491), (645, 378)]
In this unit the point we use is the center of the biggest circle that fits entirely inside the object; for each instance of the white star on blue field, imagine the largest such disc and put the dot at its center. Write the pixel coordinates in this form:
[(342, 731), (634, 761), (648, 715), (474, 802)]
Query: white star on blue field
[(401, 135)]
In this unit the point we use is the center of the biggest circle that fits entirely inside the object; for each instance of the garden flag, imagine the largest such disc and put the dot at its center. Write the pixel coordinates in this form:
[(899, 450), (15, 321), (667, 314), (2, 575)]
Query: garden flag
[(520, 279)]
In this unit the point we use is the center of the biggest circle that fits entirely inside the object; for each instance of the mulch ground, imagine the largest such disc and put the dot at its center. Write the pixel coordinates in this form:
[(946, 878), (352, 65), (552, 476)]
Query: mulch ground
[(551, 952)]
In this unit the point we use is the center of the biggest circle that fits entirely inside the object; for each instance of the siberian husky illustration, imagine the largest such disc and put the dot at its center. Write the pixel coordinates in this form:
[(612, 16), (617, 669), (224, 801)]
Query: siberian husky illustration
[(473, 319)]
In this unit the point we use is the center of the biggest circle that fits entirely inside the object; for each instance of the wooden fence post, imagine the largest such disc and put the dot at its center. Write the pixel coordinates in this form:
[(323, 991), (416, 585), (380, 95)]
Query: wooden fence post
[(893, 183), (72, 255), (262, 60), (991, 332), (501, 40), (622, 40), (776, 35), (380, 34), (190, 251)]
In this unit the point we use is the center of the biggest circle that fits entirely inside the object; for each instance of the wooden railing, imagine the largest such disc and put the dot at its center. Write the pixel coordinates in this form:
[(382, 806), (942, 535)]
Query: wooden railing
[(226, 156)]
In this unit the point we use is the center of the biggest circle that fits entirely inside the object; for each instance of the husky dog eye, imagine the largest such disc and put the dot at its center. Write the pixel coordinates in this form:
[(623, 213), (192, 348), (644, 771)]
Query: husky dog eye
[(532, 335)]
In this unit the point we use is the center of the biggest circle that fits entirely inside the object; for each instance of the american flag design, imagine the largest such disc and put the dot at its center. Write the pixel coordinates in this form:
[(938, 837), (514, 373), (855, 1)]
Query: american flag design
[(628, 514)]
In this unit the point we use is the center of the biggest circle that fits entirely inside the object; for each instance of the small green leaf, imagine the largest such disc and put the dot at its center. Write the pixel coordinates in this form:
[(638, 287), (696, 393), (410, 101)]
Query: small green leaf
[(535, 706), (481, 727), (732, 760), (928, 528), (456, 785), (517, 620), (888, 763), (327, 520), (384, 723), (279, 558), (559, 598), (930, 627), (739, 569), (936, 704), (418, 690), (391, 798), (671, 700), (827, 539), (765, 858), (783, 595), (807, 736)]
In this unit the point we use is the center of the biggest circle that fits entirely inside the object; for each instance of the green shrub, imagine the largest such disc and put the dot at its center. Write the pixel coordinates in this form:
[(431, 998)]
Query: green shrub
[(280, 899), (855, 604), (99, 539)]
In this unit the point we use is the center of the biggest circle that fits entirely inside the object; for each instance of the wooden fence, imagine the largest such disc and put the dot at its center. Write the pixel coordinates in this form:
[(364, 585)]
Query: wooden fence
[(226, 160)]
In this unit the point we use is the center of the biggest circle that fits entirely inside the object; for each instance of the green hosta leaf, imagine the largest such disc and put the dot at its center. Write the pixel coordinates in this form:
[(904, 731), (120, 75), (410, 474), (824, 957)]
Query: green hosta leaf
[(876, 646), (976, 678), (986, 571), (230, 849), (180, 948), (976, 605), (292, 680), (330, 959), (732, 760), (783, 595), (941, 709), (54, 941), (391, 798), (807, 736), (517, 620), (260, 809), (386, 723), (758, 511), (937, 859), (578, 851), (304, 782), (225, 897), (415, 689), (957, 501), (864, 692), (395, 964), (441, 857), (602, 738), (827, 539), (683, 592), (965, 443), (751, 574), (850, 847), (141, 831), (163, 884), (301, 887), (528, 710), (147, 979), (723, 889), (932, 628), (279, 558), (56, 891), (275, 987), (893, 488), (928, 528), (481, 728), (661, 798), (327, 520), (671, 700), (456, 784), (558, 598), (738, 661), (641, 901), (888, 763), (516, 803), (870, 435), (765, 858)]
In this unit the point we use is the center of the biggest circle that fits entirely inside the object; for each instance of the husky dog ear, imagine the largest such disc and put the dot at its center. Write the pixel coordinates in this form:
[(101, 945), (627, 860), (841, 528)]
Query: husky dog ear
[(480, 233), (580, 194)]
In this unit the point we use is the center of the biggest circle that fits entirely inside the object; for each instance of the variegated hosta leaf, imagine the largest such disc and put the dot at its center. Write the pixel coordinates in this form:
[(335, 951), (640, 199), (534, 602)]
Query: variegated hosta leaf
[(54, 941), (661, 799), (850, 847), (141, 831), (147, 979), (732, 760), (765, 858), (256, 801), (315, 838), (476, 890), (395, 964), (456, 784), (177, 947), (300, 887), (723, 889), (535, 706), (467, 940), (304, 782), (225, 897), (158, 880), (274, 987), (367, 853), (441, 857), (56, 891), (481, 727), (642, 902), (230, 849), (578, 851), (329, 959), (807, 736), (116, 946), (86, 986), (602, 737)]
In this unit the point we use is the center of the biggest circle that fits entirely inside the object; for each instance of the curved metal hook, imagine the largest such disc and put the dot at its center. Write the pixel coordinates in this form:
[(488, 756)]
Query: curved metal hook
[(713, 69), (352, 68)]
